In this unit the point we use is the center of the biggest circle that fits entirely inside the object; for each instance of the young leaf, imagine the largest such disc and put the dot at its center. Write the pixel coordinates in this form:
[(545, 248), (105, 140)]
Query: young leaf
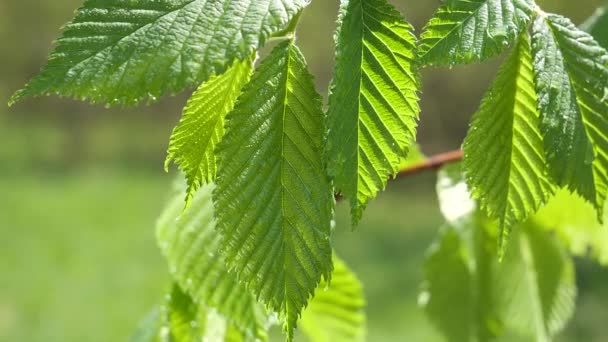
[(190, 244), (122, 52), (148, 329), (575, 224), (273, 199), (373, 105), (336, 313), (504, 160), (202, 125), (466, 31), (571, 77), (597, 26)]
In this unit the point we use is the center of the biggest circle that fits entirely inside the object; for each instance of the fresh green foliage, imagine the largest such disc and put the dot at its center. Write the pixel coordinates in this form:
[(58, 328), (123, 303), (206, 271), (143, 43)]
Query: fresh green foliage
[(373, 105), (273, 200), (597, 26), (336, 312), (465, 31), (126, 51), (191, 246), (530, 293), (263, 162), (571, 77), (505, 131), (202, 125)]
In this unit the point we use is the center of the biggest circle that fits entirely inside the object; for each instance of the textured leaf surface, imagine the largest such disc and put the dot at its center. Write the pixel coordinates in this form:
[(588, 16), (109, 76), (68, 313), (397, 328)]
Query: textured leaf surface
[(373, 105), (336, 313), (190, 244), (530, 293), (125, 51), (465, 31), (575, 224), (273, 200), (202, 125), (572, 82), (597, 26), (504, 160)]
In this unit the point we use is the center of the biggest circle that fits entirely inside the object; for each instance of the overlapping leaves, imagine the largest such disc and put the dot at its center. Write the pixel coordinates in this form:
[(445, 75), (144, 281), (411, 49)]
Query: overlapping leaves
[(273, 199), (190, 244), (505, 131), (471, 296), (465, 31), (373, 105), (571, 77), (125, 51), (201, 127)]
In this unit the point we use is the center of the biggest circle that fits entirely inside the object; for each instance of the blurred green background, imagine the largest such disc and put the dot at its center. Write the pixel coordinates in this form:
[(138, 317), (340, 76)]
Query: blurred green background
[(81, 186)]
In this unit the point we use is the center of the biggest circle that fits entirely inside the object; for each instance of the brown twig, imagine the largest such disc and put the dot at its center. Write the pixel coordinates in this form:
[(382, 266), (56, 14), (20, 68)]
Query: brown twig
[(429, 164)]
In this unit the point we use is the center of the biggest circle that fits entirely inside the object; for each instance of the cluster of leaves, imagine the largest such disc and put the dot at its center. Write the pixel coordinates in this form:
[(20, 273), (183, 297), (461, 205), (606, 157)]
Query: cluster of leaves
[(262, 159)]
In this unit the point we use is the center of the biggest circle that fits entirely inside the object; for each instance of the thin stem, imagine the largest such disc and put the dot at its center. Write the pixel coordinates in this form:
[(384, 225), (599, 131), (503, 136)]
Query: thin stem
[(431, 163)]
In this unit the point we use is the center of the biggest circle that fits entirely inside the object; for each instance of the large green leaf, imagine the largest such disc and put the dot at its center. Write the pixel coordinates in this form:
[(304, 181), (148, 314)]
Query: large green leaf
[(373, 105), (336, 313), (530, 293), (597, 26), (576, 225), (190, 244), (504, 160), (125, 51), (273, 199), (465, 31), (202, 125), (571, 79)]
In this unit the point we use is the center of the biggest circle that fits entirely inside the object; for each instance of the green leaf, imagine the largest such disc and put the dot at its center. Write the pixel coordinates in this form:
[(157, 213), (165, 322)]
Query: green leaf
[(571, 80), (336, 313), (373, 105), (183, 323), (187, 321), (202, 125), (530, 293), (470, 296), (504, 160), (273, 199), (190, 243), (466, 31), (126, 51), (575, 224), (597, 26)]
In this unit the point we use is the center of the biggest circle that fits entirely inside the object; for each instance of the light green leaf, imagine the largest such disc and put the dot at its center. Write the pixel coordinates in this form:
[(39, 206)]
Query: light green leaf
[(530, 293), (504, 160), (597, 26), (190, 244), (126, 51), (373, 105), (466, 31), (336, 313), (273, 199), (182, 320), (572, 82), (575, 224), (202, 125)]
